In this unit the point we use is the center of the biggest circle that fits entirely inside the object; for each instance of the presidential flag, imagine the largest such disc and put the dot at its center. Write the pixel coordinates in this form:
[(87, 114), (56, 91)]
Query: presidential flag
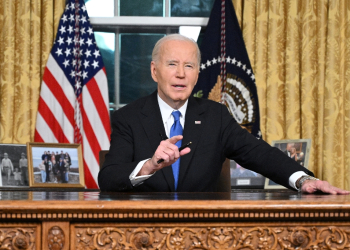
[(226, 75), (73, 104)]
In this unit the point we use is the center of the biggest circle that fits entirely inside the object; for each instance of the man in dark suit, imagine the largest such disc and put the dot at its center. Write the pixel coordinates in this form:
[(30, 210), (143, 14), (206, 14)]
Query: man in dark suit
[(47, 169), (62, 169), (140, 132), (288, 149)]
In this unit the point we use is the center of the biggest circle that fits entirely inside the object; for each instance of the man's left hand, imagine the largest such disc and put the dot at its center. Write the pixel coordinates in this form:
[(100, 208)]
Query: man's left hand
[(312, 186)]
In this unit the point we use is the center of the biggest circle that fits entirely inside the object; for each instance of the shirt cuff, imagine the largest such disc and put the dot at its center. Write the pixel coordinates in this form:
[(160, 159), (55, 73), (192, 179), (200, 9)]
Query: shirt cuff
[(137, 180), (294, 177)]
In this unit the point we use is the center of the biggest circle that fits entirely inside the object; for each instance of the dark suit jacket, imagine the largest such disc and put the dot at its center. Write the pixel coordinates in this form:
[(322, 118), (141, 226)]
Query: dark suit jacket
[(286, 152), (61, 166), (138, 129)]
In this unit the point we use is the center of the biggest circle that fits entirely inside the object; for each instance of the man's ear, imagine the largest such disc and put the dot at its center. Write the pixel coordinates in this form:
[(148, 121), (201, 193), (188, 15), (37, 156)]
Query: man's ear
[(154, 71)]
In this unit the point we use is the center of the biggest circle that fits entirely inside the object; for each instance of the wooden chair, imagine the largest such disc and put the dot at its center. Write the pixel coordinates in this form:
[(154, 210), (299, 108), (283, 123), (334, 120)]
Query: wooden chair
[(224, 183), (102, 155)]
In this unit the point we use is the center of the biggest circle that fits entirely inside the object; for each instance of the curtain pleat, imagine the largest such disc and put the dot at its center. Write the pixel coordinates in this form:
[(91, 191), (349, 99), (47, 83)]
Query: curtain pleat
[(307, 104), (345, 180), (260, 65), (248, 28), (38, 55), (275, 94), (21, 123), (292, 70), (26, 37), (320, 50), (7, 67)]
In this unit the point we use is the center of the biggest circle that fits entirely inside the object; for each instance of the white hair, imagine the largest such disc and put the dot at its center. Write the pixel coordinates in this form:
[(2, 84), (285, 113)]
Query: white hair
[(173, 37)]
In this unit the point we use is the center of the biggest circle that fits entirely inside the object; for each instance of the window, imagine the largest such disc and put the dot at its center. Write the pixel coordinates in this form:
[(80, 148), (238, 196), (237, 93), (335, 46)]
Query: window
[(126, 32)]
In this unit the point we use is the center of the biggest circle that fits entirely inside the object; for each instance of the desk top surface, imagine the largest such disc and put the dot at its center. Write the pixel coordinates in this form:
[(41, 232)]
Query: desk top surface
[(235, 195), (238, 200)]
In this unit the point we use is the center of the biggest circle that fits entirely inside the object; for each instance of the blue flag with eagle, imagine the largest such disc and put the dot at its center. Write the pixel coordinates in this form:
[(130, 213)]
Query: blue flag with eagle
[(226, 75)]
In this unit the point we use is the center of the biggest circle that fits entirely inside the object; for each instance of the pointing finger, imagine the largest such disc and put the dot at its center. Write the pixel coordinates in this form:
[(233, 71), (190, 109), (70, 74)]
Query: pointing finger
[(175, 139)]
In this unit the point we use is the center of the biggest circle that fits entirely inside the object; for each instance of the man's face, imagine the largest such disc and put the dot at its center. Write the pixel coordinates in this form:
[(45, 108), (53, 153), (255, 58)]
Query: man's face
[(176, 72), (290, 146)]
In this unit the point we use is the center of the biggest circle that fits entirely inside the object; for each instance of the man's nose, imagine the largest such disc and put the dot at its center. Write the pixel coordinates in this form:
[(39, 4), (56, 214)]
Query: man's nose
[(180, 72)]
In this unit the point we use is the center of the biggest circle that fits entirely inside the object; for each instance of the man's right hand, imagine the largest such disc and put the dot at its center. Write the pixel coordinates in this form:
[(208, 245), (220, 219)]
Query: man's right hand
[(168, 151)]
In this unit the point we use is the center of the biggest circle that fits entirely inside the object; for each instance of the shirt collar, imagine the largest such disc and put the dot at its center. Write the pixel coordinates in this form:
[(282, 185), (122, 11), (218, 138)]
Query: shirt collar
[(166, 110)]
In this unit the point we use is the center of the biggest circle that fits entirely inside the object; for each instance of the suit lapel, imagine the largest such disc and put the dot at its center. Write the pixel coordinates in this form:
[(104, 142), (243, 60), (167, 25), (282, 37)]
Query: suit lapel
[(192, 133), (154, 128)]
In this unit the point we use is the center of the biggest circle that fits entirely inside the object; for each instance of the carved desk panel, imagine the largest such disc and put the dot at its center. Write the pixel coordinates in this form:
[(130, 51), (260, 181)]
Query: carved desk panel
[(211, 236), (20, 236)]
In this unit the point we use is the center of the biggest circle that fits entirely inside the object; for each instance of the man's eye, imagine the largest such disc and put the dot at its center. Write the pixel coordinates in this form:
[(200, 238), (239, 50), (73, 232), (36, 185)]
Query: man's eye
[(189, 66)]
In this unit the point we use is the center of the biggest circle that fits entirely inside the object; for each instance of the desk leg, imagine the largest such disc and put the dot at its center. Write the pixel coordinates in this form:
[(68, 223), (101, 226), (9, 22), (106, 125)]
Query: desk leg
[(55, 235)]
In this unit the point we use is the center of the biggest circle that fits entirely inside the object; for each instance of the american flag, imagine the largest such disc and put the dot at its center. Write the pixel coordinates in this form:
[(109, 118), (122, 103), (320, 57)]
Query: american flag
[(73, 104)]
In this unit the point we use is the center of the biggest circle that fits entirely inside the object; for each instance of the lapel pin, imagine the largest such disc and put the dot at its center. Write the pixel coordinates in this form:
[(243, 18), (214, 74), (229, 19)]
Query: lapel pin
[(197, 122)]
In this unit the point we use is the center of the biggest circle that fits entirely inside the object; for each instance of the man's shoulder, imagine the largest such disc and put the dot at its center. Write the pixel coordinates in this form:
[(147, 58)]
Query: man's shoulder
[(135, 105), (207, 104), (204, 101)]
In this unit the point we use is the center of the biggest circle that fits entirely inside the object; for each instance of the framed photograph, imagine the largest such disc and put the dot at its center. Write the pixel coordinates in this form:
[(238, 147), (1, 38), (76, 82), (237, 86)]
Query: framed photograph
[(245, 178), (55, 165), (298, 150), (13, 165)]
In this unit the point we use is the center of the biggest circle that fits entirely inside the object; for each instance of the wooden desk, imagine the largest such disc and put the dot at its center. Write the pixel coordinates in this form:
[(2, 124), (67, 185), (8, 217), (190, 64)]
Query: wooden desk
[(238, 220)]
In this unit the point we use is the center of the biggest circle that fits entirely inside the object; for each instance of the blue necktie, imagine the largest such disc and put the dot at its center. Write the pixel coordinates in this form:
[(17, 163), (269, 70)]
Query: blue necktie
[(176, 129)]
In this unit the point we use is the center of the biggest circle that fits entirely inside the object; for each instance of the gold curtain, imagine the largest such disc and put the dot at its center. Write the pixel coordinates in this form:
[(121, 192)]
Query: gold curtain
[(27, 31), (299, 50)]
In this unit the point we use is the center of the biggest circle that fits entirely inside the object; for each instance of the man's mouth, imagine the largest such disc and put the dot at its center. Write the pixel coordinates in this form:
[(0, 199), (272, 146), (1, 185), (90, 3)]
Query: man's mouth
[(179, 86)]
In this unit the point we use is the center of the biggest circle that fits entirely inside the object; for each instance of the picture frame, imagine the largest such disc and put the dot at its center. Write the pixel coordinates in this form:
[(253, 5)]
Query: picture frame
[(13, 166), (242, 178), (298, 149), (62, 169)]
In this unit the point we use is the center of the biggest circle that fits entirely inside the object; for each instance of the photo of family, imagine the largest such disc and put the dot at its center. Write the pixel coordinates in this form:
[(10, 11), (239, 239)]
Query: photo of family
[(298, 150), (13, 165), (55, 167), (58, 164)]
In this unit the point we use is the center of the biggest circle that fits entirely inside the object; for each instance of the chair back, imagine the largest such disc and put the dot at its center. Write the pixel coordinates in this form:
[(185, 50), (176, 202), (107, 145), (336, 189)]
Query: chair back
[(224, 182), (102, 155)]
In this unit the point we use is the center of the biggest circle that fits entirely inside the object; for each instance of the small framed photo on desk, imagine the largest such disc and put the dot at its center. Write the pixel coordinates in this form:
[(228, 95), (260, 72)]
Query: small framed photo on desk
[(242, 178), (13, 166), (298, 150), (55, 165)]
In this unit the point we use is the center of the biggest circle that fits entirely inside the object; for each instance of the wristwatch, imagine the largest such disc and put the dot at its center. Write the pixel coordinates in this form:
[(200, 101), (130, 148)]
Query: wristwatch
[(301, 180)]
